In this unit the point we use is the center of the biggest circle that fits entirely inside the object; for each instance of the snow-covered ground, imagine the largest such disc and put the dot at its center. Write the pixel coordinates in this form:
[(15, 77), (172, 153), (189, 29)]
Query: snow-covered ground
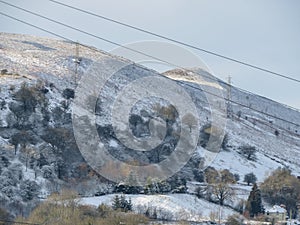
[(236, 163), (30, 58), (53, 60), (172, 207)]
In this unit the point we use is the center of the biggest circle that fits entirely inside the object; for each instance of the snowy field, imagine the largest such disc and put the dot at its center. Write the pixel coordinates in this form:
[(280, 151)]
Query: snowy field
[(171, 207)]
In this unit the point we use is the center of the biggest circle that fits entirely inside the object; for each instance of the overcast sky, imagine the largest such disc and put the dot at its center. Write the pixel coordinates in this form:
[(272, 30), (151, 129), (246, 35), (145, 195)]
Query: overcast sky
[(265, 33)]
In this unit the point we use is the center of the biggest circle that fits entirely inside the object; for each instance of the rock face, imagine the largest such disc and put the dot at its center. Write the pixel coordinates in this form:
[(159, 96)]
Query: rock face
[(38, 151)]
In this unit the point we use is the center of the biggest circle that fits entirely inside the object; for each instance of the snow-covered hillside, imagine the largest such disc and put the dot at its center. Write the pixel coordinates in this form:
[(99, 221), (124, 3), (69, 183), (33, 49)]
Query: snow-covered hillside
[(277, 141), (53, 165)]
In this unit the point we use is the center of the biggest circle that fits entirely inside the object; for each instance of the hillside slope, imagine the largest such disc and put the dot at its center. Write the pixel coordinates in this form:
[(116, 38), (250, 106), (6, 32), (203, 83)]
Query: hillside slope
[(49, 158)]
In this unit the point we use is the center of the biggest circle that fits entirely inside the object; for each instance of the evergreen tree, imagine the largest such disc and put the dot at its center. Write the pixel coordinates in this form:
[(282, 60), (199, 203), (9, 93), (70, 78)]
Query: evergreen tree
[(254, 203), (116, 202), (123, 203), (129, 205)]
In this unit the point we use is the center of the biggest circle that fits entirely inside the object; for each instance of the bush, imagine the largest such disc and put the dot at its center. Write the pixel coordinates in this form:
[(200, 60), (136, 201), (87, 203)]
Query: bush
[(4, 161), (12, 87), (181, 189), (200, 192), (204, 135), (128, 189), (225, 142), (68, 93), (234, 220), (248, 151), (198, 175), (4, 71), (154, 186), (4, 215), (71, 213), (103, 210), (2, 105)]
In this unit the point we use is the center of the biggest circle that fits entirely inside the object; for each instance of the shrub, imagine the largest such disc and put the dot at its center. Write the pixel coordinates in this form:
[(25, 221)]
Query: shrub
[(4, 216), (71, 213), (2, 105), (12, 87), (234, 220), (248, 151), (4, 71), (204, 135), (200, 192), (198, 175), (68, 93), (225, 142), (181, 189)]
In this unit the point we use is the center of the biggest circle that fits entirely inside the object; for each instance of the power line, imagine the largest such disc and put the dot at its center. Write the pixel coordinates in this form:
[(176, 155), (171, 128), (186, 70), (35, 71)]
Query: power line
[(79, 30), (215, 95), (95, 36), (244, 106), (184, 83), (120, 45), (180, 42), (117, 44)]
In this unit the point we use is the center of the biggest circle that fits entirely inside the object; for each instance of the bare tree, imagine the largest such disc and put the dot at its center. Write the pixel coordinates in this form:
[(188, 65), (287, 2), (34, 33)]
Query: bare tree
[(211, 175), (222, 192), (227, 176)]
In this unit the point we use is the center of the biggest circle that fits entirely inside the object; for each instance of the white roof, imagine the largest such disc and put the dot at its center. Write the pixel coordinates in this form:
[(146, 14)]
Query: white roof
[(276, 209)]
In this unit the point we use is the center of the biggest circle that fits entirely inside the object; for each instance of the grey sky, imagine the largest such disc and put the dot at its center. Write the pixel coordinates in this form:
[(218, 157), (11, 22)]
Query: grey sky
[(265, 33)]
